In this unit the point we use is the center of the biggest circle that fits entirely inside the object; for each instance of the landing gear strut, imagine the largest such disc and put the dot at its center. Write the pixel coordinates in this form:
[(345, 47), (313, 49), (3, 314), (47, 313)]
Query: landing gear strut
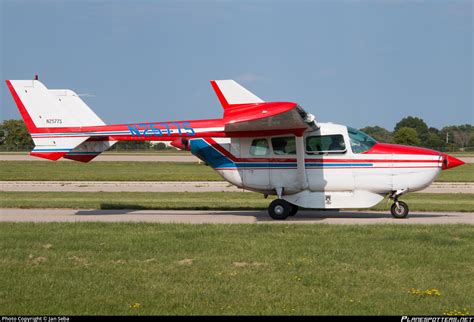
[(399, 209), (280, 209)]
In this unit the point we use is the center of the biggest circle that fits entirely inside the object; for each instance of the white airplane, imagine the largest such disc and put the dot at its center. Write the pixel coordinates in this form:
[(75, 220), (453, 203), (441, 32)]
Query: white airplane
[(274, 148)]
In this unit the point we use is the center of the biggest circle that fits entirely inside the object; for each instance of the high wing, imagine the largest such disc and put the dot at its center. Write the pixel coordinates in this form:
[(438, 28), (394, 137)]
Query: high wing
[(245, 112)]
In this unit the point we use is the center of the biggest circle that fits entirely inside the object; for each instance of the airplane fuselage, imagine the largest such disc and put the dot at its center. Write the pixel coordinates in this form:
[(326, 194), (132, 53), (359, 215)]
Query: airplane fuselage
[(352, 173)]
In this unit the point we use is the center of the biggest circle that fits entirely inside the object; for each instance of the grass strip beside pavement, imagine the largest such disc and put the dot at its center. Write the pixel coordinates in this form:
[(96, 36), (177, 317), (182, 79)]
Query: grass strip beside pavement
[(464, 173), (156, 269), (203, 201), (105, 171)]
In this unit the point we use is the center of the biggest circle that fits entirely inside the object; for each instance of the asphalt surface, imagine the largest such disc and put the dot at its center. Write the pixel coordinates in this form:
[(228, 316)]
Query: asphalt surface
[(173, 186), (229, 217)]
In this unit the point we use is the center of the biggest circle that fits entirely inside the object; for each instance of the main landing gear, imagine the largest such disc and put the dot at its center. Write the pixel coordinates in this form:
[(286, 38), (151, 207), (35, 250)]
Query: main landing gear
[(280, 209), (399, 209)]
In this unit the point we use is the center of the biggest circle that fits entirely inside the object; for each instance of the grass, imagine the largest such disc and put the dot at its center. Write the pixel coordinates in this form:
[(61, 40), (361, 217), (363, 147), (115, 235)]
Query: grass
[(144, 171), (202, 200), (462, 154), (156, 269), (464, 173), (106, 171)]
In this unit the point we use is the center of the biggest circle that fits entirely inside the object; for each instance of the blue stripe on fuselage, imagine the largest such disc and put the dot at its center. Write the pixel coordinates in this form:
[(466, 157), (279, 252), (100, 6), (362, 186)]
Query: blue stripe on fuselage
[(208, 154), (215, 159)]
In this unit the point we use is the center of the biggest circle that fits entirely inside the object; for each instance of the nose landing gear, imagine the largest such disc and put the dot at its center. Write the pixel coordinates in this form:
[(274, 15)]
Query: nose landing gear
[(399, 209)]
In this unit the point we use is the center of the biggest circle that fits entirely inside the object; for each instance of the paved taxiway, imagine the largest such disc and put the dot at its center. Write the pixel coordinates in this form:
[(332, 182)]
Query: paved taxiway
[(175, 186), (229, 217)]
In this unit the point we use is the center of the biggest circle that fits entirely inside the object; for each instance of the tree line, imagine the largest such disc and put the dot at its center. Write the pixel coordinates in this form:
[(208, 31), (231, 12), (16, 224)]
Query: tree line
[(414, 131), (408, 131)]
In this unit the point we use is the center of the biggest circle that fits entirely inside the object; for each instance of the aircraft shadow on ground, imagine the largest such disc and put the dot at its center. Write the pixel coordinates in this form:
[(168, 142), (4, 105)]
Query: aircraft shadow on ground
[(316, 215), (260, 215)]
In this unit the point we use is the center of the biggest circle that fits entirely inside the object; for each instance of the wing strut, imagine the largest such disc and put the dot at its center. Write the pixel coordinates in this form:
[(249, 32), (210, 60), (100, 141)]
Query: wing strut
[(300, 163)]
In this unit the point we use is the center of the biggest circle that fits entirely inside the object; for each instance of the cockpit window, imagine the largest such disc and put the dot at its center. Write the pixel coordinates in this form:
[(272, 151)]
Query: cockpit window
[(360, 142), (325, 144), (259, 147), (284, 145)]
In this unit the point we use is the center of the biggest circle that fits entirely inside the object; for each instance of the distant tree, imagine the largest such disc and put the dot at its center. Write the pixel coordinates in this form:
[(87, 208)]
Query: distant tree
[(15, 136), (131, 145), (406, 136), (471, 143), (435, 139), (459, 135), (415, 123), (159, 146), (378, 133), (434, 142)]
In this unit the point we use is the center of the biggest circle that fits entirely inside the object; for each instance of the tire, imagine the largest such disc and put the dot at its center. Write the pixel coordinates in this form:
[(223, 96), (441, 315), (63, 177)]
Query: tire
[(279, 209), (401, 211), (293, 210)]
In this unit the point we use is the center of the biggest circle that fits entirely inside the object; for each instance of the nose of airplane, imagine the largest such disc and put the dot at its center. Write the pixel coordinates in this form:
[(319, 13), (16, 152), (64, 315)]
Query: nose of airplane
[(451, 162)]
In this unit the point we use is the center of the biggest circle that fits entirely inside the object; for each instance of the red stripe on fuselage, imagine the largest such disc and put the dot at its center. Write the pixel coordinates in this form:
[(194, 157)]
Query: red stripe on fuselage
[(226, 153)]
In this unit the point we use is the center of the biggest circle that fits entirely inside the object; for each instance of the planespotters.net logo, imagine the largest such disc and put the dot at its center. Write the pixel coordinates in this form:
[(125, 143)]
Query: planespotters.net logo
[(437, 319)]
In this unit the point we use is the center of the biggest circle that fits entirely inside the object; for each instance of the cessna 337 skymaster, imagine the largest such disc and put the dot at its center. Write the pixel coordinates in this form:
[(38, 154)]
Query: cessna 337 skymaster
[(274, 148)]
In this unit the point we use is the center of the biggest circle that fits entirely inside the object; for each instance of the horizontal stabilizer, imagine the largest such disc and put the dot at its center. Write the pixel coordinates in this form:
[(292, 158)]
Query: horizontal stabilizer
[(54, 148), (89, 149)]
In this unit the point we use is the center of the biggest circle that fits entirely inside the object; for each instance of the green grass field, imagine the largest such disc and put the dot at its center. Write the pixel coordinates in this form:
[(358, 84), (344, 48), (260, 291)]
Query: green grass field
[(464, 173), (153, 269), (106, 171), (462, 154), (202, 200), (144, 171)]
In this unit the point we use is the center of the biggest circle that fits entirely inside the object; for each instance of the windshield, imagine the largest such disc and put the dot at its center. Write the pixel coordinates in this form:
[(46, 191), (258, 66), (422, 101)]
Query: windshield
[(360, 142)]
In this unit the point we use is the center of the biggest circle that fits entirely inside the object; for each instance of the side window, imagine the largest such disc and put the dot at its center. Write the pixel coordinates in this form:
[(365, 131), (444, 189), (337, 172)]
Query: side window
[(284, 145), (325, 144), (259, 147)]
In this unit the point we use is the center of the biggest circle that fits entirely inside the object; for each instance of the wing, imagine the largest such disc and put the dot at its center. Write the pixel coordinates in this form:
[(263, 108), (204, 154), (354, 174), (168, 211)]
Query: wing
[(245, 112)]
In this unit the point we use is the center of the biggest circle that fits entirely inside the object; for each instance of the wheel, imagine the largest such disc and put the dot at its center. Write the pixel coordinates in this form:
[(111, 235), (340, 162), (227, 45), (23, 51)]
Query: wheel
[(279, 209), (401, 211), (294, 210)]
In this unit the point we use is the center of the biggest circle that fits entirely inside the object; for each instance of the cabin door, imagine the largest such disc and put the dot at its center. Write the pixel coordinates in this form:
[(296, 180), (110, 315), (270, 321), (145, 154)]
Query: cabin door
[(254, 162)]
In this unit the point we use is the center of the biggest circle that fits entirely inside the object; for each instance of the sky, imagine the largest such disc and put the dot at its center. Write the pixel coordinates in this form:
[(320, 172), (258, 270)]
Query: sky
[(357, 63)]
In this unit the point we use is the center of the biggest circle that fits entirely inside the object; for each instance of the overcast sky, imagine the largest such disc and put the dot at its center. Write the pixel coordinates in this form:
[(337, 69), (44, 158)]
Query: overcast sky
[(357, 63)]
